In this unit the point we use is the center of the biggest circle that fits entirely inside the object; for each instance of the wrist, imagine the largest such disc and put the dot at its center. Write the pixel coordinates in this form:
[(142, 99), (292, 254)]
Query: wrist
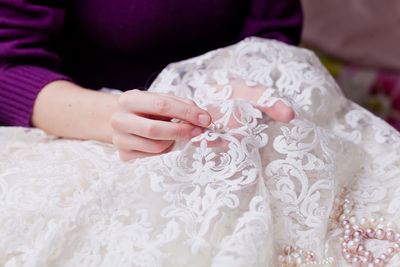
[(67, 110)]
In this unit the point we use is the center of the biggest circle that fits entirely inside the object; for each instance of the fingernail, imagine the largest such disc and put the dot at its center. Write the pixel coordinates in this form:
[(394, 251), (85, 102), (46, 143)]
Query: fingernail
[(204, 119), (196, 131)]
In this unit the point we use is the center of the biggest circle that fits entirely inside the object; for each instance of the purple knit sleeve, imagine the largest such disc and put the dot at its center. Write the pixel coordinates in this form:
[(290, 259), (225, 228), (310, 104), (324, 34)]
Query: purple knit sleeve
[(28, 60), (275, 19)]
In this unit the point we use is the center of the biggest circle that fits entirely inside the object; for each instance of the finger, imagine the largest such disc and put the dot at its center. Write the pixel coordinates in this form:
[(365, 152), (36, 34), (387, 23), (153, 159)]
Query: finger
[(154, 129), (126, 155), (127, 141), (185, 100), (279, 112), (167, 106), (243, 91)]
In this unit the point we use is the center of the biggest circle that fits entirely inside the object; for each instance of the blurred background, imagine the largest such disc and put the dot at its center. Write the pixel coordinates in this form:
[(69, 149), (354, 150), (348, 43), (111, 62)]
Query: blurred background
[(359, 42)]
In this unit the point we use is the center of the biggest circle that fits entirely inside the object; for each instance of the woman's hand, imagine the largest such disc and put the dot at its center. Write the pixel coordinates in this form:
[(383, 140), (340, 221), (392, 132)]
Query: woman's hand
[(240, 90), (137, 122), (142, 123), (278, 112)]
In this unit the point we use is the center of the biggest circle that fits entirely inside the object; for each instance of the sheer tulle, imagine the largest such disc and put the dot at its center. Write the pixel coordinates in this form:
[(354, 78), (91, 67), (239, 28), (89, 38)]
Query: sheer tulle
[(258, 193)]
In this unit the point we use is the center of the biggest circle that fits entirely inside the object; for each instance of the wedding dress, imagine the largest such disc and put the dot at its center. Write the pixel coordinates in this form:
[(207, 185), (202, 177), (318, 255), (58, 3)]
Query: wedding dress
[(322, 190)]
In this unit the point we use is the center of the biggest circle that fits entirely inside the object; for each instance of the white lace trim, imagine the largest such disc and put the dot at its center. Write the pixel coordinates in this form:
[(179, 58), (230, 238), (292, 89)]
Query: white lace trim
[(265, 185)]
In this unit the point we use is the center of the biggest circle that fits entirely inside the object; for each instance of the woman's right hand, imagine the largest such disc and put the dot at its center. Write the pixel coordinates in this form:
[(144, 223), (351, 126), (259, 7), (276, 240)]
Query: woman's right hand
[(142, 124)]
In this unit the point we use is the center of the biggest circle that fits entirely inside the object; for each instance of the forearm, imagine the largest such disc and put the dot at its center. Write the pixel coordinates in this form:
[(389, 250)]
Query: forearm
[(67, 110)]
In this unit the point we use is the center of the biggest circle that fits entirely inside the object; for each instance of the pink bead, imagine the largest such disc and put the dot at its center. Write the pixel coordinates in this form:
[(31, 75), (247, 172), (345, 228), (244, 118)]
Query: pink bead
[(357, 234), (380, 234), (352, 245), (345, 222), (361, 249), (390, 251), (369, 255), (343, 217), (364, 261), (347, 232), (356, 261), (370, 233), (396, 246), (348, 258), (378, 262), (390, 235), (397, 237), (364, 233), (384, 257), (310, 255), (287, 250), (346, 238)]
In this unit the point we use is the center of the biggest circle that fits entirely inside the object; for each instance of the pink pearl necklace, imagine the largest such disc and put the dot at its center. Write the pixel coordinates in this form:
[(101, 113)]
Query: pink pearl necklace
[(354, 236), (293, 256), (356, 232)]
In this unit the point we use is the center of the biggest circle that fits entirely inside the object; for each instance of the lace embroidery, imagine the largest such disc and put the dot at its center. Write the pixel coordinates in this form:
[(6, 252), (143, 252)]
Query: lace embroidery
[(225, 198)]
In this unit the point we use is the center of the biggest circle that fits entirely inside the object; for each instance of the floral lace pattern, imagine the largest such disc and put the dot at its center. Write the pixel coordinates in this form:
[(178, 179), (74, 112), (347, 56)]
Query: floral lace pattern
[(237, 197)]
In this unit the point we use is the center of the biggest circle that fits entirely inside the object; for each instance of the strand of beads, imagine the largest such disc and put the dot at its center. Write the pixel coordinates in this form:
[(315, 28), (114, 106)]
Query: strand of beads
[(293, 256), (217, 127), (356, 232)]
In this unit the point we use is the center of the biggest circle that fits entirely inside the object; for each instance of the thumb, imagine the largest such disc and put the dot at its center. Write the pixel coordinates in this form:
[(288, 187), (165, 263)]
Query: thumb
[(279, 112)]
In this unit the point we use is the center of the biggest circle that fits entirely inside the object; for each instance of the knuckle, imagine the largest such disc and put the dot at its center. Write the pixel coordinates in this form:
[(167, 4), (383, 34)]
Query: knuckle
[(127, 97), (150, 130), (115, 121), (118, 142), (124, 156), (115, 140), (189, 101), (161, 106), (180, 132), (132, 93), (187, 112), (158, 147), (123, 99)]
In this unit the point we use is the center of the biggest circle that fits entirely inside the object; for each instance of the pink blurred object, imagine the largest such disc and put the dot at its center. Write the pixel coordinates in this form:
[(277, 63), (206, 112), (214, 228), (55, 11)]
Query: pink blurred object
[(376, 90), (387, 84), (365, 32)]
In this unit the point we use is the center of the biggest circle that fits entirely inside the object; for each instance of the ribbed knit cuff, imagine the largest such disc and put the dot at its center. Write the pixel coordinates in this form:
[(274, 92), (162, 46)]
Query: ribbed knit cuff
[(19, 87)]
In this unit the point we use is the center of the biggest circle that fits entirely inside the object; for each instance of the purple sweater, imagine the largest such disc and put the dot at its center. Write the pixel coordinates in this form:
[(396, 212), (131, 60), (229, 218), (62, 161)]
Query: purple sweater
[(120, 43)]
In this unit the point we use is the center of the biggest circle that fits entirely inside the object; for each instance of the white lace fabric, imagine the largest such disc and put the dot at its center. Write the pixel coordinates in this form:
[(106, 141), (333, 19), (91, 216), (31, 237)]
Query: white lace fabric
[(231, 198)]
